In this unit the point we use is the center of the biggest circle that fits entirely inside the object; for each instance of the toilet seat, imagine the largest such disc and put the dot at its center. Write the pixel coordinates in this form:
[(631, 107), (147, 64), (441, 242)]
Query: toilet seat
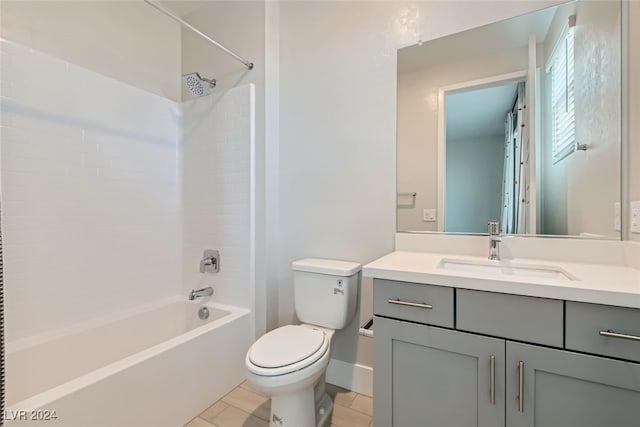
[(286, 349)]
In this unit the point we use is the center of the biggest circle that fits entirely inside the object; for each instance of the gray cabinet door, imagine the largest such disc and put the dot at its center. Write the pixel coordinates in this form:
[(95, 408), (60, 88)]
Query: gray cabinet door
[(426, 376), (565, 389)]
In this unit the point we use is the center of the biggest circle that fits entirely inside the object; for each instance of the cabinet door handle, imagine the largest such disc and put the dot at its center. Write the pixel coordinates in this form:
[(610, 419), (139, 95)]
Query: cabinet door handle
[(521, 386), (612, 334), (492, 379), (410, 304)]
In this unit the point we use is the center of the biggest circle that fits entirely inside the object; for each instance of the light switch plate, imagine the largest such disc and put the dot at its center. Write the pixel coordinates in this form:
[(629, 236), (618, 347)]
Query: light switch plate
[(429, 215), (635, 217), (616, 217)]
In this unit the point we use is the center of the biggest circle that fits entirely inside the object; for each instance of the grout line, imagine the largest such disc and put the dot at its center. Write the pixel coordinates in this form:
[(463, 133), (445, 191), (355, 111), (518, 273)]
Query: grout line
[(360, 412), (212, 425)]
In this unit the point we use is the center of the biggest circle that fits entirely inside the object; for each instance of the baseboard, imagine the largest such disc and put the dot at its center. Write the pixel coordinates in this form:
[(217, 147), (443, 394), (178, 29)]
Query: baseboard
[(352, 376)]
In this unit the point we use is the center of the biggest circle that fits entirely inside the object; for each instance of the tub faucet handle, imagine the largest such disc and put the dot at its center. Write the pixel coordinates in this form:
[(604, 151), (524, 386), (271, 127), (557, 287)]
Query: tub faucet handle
[(210, 262)]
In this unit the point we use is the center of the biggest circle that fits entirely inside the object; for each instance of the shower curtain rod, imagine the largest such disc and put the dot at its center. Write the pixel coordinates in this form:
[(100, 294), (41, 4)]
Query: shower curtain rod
[(167, 12)]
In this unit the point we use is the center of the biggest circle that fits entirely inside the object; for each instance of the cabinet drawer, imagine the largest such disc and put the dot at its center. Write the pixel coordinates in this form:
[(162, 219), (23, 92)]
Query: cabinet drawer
[(529, 319), (585, 324), (414, 302)]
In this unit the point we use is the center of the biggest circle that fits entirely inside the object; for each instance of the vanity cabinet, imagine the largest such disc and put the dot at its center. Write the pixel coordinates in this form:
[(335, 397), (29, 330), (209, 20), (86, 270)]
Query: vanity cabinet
[(430, 376), (562, 388), (433, 376)]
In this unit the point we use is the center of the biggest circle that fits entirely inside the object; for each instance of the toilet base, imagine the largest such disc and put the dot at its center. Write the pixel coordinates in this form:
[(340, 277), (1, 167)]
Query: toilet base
[(323, 410), (293, 410), (300, 409)]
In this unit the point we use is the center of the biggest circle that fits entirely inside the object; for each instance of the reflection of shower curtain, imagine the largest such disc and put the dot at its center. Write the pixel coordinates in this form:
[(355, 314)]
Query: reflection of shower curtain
[(506, 221), (516, 169)]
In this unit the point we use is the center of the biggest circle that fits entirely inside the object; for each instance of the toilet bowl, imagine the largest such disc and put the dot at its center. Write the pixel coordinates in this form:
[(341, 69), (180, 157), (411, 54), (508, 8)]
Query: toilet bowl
[(289, 363)]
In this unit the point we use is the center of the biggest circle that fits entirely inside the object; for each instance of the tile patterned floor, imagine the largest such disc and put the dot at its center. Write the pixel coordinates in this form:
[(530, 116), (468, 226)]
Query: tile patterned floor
[(245, 406)]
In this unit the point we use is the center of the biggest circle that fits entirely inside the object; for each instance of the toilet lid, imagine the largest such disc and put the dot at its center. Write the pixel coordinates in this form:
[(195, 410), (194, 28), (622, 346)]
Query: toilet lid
[(285, 346)]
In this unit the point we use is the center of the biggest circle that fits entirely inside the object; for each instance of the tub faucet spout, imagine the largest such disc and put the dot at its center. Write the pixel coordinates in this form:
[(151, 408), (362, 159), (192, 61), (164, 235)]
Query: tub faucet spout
[(204, 292)]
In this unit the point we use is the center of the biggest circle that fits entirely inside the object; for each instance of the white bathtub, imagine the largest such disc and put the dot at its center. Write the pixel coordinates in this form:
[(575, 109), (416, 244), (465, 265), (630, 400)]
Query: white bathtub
[(159, 365)]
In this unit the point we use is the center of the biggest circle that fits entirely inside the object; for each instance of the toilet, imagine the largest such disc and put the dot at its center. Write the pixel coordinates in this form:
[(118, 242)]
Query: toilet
[(289, 363)]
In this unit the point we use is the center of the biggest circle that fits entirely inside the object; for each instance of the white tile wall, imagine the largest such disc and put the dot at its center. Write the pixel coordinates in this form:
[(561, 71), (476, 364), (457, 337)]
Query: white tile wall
[(90, 194), (217, 155)]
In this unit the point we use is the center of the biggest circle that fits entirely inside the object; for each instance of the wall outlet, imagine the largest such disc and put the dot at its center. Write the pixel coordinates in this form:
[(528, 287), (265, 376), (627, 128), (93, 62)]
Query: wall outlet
[(429, 215), (616, 217), (635, 217)]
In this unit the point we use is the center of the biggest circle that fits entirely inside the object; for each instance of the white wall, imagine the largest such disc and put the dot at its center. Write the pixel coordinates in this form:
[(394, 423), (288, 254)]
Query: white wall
[(217, 149), (581, 189), (474, 178), (126, 40), (597, 73), (272, 166), (418, 125), (337, 129), (89, 192)]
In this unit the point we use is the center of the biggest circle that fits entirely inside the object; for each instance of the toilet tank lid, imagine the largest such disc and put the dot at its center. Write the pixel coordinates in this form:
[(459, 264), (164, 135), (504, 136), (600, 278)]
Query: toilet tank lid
[(326, 266)]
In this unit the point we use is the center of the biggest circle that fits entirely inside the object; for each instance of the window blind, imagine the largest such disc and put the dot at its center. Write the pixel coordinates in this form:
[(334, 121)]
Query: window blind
[(562, 98)]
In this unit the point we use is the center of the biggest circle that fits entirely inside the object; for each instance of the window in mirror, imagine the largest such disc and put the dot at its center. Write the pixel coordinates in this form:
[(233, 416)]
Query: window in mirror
[(561, 70)]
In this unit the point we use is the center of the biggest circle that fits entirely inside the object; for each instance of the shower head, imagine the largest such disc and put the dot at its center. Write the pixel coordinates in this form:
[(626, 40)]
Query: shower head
[(196, 84)]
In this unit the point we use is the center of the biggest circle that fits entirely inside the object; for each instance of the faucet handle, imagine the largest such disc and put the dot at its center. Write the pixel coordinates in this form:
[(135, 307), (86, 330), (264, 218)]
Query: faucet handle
[(210, 262), (493, 227)]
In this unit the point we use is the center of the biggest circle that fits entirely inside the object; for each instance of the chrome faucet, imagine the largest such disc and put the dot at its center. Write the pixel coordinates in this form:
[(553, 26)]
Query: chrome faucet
[(210, 262), (204, 292), (494, 240)]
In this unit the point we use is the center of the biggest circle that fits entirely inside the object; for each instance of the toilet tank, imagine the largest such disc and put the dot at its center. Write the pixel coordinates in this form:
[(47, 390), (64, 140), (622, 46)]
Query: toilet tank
[(325, 291)]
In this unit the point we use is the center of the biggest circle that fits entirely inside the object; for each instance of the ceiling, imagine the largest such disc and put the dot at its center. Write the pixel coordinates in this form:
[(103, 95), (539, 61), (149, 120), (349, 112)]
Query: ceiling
[(479, 113), (479, 41)]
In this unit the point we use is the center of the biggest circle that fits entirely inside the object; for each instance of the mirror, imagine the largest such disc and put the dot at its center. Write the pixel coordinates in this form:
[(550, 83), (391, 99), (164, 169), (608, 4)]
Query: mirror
[(517, 121)]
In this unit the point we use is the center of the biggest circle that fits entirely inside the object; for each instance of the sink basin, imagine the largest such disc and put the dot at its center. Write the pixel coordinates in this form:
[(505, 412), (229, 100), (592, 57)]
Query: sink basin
[(505, 268)]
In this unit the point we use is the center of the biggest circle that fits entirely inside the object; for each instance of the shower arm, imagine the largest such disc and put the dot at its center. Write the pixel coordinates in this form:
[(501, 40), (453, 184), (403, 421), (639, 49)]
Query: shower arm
[(185, 24), (212, 82)]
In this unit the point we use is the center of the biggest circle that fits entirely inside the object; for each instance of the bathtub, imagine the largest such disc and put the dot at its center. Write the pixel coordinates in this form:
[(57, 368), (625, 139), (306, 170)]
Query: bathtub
[(158, 365)]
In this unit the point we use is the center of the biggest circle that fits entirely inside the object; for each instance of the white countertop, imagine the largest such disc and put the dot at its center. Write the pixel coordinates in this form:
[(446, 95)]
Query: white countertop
[(597, 283)]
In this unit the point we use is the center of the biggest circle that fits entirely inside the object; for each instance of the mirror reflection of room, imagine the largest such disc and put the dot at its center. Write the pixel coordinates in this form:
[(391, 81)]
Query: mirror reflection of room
[(486, 160), (517, 121)]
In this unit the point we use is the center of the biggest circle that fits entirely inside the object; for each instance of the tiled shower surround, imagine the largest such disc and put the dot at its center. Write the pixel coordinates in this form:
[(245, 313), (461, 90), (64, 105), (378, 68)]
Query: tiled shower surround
[(90, 193), (217, 160), (99, 182)]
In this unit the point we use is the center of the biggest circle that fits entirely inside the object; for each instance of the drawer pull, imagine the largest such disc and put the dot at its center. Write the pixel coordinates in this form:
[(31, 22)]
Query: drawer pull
[(492, 379), (618, 335), (410, 304), (521, 386)]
